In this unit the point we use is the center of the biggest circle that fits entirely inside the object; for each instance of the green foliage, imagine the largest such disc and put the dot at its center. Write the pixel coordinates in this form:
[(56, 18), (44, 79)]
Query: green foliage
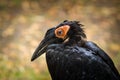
[(12, 71)]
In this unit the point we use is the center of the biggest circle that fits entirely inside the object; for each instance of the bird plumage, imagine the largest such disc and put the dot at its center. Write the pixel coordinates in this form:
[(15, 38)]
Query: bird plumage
[(78, 63), (71, 57)]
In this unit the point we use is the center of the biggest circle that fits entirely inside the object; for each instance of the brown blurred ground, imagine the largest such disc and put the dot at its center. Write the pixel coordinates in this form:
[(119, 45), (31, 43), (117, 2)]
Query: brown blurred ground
[(23, 24)]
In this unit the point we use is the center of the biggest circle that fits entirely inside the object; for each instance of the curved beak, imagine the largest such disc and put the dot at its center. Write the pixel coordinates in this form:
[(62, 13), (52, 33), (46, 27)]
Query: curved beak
[(43, 46)]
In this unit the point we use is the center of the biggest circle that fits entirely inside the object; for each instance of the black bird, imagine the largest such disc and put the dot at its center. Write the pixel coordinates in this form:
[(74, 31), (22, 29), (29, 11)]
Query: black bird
[(70, 56)]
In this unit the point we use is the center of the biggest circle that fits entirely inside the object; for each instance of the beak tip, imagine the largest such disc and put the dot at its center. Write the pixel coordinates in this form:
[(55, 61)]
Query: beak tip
[(32, 60), (39, 51)]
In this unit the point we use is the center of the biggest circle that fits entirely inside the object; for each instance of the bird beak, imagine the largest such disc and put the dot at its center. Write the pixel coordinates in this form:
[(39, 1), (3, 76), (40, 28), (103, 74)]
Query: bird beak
[(42, 47)]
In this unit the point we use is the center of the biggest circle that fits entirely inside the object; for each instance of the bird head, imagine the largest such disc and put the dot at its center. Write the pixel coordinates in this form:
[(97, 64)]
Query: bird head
[(57, 35)]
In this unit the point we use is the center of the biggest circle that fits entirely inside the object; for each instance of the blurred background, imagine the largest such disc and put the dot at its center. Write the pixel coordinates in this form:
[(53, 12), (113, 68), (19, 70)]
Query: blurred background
[(23, 24)]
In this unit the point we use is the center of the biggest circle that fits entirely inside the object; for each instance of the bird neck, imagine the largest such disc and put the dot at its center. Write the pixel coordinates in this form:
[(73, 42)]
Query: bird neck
[(75, 40)]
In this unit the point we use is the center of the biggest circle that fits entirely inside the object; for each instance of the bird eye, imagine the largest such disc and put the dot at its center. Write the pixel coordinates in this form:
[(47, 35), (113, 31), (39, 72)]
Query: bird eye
[(59, 32)]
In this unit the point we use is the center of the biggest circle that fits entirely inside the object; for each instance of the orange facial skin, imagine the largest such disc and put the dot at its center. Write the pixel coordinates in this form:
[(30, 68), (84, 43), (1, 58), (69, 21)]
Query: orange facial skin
[(61, 32)]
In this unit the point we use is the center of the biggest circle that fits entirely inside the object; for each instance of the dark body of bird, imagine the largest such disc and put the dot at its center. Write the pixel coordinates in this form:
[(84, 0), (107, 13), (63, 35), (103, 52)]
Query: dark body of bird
[(76, 58)]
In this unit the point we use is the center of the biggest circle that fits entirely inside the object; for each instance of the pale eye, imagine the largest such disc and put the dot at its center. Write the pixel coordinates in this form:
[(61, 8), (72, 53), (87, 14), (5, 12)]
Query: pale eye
[(60, 32)]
